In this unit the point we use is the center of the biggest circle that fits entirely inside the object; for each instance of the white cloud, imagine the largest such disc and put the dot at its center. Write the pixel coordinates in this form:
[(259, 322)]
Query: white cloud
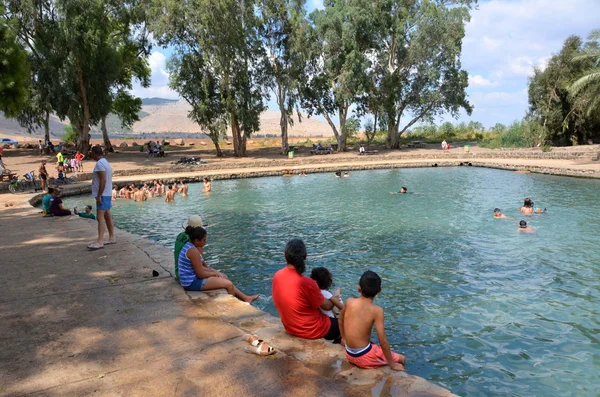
[(159, 79), (480, 81), (506, 39)]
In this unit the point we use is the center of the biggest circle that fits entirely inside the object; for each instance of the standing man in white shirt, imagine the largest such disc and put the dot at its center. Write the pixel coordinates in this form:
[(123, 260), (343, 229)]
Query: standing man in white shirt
[(102, 192)]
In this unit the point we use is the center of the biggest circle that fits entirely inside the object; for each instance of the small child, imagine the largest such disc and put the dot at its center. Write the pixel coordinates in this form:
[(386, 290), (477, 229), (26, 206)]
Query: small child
[(87, 214), (356, 323), (324, 280)]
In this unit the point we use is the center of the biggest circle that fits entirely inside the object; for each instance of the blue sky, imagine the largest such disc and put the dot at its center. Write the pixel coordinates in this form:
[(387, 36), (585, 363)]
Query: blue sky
[(504, 40)]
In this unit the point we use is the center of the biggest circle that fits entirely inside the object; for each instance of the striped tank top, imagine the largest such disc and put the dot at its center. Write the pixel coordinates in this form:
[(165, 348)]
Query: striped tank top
[(186, 269)]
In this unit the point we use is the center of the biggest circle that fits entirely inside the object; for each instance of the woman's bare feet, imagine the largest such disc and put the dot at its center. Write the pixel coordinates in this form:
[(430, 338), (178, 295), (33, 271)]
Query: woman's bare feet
[(251, 298)]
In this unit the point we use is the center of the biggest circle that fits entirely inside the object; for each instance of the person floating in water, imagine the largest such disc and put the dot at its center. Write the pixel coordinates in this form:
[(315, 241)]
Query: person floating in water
[(356, 324), (346, 175), (170, 196), (338, 174), (498, 214), (524, 228), (403, 190)]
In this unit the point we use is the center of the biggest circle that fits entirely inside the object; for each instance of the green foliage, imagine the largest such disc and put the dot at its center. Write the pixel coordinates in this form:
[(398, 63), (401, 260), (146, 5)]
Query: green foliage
[(70, 135), (586, 88), (418, 70), (352, 127), (563, 118), (546, 148), (447, 131), (14, 71), (520, 134), (219, 61)]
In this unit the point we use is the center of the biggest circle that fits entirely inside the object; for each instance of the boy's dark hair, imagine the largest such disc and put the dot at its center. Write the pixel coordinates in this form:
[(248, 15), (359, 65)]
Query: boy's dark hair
[(322, 276), (50, 190), (169, 187), (97, 150), (195, 233), (523, 224), (295, 253), (370, 284), (497, 210)]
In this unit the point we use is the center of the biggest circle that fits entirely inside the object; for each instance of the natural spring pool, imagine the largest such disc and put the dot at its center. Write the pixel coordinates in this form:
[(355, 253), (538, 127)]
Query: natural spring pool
[(475, 306)]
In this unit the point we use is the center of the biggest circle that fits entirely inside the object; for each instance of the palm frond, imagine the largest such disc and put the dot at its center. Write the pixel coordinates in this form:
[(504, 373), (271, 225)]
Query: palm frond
[(594, 35), (587, 54), (593, 106), (591, 77)]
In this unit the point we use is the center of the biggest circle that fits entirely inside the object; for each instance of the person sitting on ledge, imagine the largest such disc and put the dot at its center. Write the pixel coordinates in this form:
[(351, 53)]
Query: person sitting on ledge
[(195, 275), (56, 207), (298, 299), (356, 324)]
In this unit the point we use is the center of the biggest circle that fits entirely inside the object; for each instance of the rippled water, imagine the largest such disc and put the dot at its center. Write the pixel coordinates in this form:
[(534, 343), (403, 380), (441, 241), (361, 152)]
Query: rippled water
[(474, 305)]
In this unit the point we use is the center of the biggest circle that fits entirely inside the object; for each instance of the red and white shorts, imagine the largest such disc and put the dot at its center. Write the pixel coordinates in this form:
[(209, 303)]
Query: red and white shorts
[(370, 357)]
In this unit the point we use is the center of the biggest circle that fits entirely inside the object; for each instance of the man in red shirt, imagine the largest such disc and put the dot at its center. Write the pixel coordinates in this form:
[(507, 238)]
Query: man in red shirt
[(298, 298)]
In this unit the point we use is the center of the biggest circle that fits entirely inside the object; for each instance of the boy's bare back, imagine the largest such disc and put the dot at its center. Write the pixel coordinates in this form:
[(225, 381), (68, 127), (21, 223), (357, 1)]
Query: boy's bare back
[(359, 316)]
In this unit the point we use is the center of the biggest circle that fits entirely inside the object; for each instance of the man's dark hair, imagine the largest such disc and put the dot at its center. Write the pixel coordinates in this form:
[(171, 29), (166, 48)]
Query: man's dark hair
[(169, 187), (370, 284), (322, 276), (295, 253), (523, 224), (497, 210), (97, 150)]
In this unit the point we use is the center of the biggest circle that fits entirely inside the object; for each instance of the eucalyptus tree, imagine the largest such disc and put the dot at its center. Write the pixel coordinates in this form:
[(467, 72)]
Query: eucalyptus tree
[(336, 72), (14, 69), (418, 59), (104, 47), (284, 28), (222, 38)]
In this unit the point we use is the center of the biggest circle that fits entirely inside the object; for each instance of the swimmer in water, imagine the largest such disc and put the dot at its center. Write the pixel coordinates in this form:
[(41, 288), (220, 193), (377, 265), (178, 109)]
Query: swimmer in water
[(207, 185), (346, 175), (183, 190), (338, 174), (527, 208), (403, 190), (524, 228), (498, 214), (170, 196)]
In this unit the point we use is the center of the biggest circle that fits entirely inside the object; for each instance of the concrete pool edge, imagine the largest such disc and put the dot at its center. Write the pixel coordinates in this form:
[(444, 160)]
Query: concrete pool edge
[(323, 357)]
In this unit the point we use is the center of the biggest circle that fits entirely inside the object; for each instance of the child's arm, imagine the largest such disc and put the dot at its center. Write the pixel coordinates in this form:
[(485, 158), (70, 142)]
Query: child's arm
[(385, 346), (337, 302), (194, 257)]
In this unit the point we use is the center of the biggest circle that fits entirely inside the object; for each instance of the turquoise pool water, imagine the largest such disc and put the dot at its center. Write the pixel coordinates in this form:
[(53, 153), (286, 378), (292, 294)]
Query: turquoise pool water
[(474, 305)]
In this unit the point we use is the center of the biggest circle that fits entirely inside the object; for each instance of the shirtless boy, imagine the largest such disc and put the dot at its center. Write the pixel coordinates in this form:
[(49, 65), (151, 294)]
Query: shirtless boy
[(498, 214), (170, 196), (356, 322), (183, 189), (207, 185), (139, 195), (524, 228)]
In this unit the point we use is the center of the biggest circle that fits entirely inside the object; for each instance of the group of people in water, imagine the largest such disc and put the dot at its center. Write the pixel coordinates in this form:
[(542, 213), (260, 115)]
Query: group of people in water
[(306, 307), (156, 188), (527, 209)]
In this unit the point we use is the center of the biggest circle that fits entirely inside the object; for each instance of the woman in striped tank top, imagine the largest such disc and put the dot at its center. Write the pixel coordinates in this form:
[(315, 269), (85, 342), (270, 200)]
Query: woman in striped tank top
[(196, 275)]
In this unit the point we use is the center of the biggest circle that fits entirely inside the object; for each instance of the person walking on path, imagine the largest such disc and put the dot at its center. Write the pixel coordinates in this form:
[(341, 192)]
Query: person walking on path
[(102, 191)]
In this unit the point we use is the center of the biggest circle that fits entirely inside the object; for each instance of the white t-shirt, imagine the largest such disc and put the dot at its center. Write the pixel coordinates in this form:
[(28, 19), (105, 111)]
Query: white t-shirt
[(326, 295), (102, 165)]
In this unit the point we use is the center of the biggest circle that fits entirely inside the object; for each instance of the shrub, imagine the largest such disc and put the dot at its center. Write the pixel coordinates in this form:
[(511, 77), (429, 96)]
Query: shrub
[(546, 148), (70, 136)]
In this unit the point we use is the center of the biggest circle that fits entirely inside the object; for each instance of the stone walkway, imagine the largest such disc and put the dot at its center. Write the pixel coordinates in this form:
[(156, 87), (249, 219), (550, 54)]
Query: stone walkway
[(75, 322)]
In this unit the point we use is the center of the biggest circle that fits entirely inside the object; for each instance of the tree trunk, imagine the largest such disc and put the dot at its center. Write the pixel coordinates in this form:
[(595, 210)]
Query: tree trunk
[(83, 133), (343, 110), (243, 145), (392, 141), (214, 137), (333, 127), (108, 147), (372, 136), (46, 133), (283, 122)]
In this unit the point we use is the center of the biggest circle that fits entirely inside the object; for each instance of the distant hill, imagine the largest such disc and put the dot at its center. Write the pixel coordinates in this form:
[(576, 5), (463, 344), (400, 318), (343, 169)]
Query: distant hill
[(164, 116)]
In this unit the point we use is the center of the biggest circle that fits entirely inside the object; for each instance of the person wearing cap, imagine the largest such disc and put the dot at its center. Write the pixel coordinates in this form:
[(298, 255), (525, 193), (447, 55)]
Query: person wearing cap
[(524, 228)]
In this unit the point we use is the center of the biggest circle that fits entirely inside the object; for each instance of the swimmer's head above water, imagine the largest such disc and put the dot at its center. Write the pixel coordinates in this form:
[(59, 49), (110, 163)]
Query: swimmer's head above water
[(523, 225), (403, 190)]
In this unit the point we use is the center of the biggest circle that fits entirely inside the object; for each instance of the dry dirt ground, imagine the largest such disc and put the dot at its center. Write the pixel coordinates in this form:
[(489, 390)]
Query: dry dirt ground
[(24, 160)]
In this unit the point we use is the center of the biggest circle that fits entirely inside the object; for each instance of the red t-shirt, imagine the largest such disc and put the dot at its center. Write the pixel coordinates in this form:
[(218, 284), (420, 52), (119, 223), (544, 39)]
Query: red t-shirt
[(297, 299)]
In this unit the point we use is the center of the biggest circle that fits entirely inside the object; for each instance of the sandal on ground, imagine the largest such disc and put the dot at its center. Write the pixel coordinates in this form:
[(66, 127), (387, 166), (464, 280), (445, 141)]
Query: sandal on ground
[(252, 339), (94, 247), (262, 349), (110, 243)]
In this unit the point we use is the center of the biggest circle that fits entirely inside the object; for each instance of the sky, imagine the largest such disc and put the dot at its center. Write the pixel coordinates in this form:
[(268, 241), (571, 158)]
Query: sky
[(504, 41)]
